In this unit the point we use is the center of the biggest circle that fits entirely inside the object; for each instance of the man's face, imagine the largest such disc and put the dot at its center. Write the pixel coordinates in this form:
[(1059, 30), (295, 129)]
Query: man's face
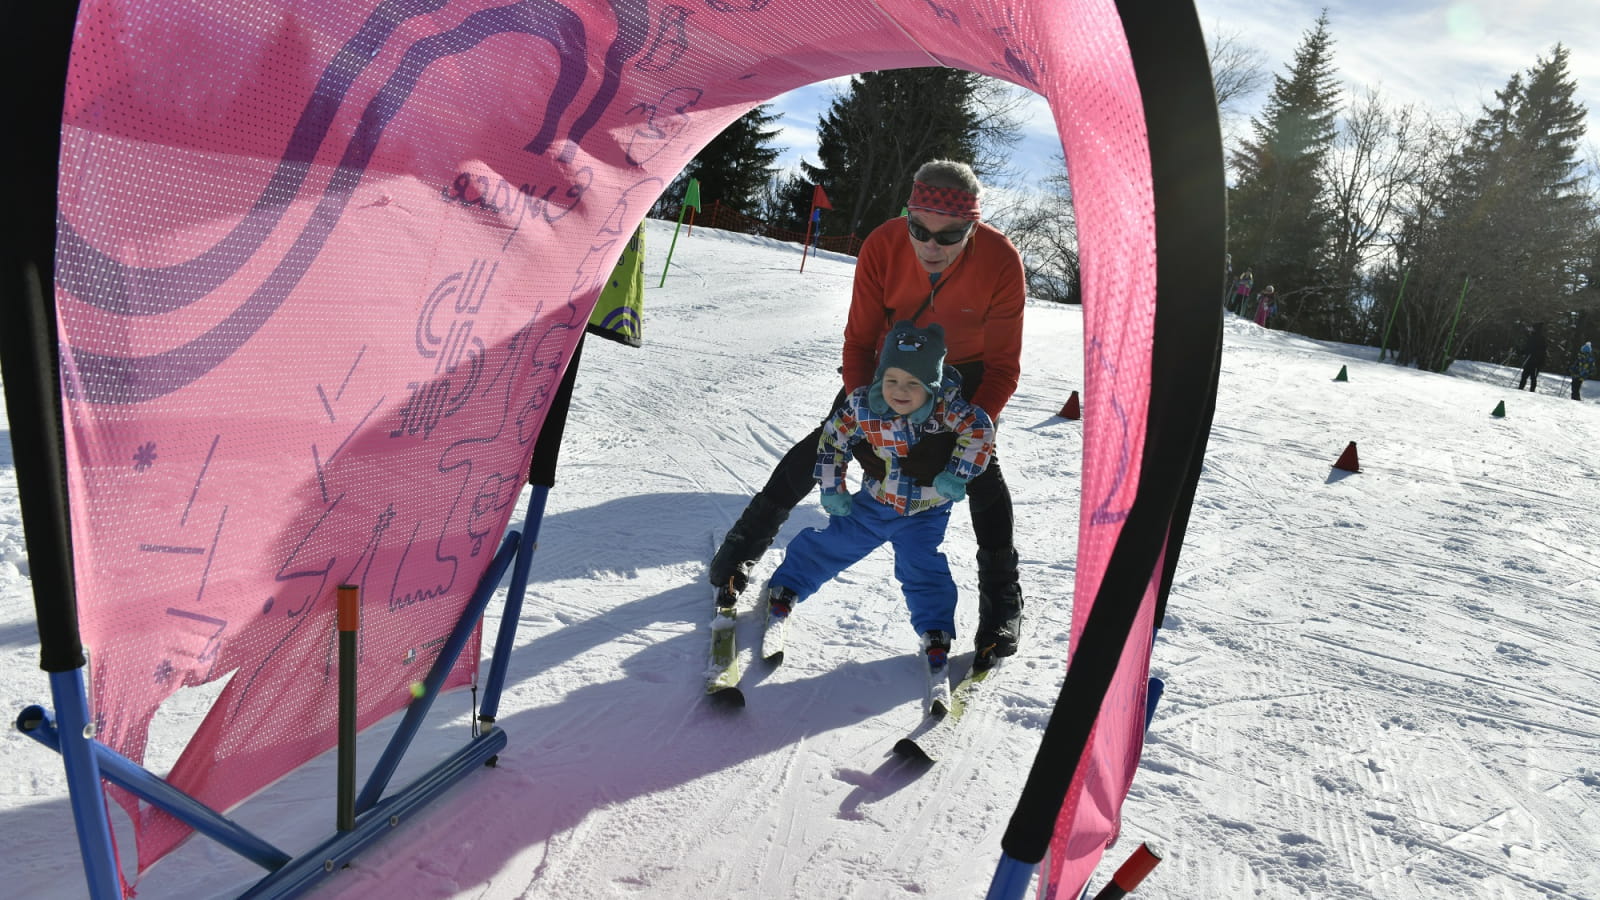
[(934, 256)]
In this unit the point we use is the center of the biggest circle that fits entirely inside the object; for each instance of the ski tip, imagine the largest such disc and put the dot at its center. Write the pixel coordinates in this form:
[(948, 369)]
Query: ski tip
[(775, 659), (906, 748), (938, 708), (727, 698)]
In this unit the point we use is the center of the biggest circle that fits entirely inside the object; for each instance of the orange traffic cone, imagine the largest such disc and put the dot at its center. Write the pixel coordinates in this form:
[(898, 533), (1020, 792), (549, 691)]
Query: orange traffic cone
[(1347, 459), (1070, 410)]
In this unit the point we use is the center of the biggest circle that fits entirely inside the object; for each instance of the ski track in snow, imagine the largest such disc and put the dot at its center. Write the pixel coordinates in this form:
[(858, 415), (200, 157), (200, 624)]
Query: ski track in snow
[(1378, 685)]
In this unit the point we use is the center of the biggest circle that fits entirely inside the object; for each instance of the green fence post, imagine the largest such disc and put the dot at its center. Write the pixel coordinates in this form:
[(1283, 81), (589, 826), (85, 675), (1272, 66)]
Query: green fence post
[(1384, 347)]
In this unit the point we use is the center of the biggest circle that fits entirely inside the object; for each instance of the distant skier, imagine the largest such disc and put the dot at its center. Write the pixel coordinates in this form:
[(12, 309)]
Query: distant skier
[(912, 397), (1241, 293), (1533, 358), (1582, 368), (1266, 305)]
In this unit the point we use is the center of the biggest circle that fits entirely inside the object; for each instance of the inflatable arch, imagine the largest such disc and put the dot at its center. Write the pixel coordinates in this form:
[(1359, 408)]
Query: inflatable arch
[(299, 283)]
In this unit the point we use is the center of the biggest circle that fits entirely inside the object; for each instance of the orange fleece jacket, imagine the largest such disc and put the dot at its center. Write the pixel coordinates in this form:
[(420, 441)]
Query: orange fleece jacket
[(978, 300)]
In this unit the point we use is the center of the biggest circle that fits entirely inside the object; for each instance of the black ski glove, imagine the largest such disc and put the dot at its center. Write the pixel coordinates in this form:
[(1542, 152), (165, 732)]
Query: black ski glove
[(871, 465), (929, 456)]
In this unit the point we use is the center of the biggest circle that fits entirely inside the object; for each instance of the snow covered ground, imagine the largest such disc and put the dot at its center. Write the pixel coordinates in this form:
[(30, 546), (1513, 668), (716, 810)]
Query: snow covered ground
[(1379, 685)]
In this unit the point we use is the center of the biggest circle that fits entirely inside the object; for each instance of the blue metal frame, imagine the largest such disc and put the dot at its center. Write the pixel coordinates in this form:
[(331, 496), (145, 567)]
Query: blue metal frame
[(1011, 879), (88, 794), (87, 761), (513, 609), (36, 723), (442, 664)]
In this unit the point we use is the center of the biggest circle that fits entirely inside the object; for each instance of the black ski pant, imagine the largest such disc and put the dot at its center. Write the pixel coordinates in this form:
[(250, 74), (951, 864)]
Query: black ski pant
[(1530, 378)]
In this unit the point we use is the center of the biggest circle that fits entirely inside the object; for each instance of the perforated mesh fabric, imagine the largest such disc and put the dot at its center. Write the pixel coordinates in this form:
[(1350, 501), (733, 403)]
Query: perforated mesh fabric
[(321, 265)]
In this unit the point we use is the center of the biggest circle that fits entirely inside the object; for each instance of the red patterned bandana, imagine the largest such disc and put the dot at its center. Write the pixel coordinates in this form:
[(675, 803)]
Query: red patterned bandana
[(944, 201)]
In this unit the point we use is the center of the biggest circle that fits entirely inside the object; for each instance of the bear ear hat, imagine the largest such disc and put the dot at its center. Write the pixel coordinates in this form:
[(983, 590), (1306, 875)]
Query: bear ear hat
[(919, 351)]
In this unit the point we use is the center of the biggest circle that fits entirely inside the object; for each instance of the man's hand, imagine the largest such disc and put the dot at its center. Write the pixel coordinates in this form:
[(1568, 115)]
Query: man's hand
[(871, 465), (929, 457)]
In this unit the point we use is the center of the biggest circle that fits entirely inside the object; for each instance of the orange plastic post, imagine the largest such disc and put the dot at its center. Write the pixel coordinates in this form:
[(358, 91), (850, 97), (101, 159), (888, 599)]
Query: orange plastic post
[(349, 622), (1131, 873), (349, 608)]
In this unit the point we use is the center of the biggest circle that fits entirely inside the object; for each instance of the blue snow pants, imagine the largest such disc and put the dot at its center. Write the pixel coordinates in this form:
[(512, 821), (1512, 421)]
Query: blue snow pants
[(814, 557)]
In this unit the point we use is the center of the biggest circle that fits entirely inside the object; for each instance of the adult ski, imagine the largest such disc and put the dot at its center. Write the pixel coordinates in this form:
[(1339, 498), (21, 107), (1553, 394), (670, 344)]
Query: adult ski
[(939, 739), (722, 670), (722, 675)]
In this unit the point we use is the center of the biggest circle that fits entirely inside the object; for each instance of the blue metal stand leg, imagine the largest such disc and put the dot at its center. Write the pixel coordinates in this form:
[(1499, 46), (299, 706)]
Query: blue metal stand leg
[(83, 784), (512, 614), (1011, 879), (378, 780)]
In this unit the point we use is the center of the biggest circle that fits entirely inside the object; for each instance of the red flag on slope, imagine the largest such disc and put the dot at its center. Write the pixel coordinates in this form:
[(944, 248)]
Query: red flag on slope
[(819, 200)]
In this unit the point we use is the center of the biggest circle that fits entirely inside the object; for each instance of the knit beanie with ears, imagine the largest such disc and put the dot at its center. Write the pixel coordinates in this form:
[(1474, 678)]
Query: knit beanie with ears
[(919, 351)]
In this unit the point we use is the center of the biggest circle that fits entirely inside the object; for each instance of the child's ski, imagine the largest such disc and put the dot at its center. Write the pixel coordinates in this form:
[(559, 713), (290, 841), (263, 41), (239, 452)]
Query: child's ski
[(774, 638), (938, 702), (939, 739)]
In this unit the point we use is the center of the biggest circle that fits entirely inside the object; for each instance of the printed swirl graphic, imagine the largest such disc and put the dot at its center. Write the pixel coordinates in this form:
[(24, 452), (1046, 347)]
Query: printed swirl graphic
[(108, 284)]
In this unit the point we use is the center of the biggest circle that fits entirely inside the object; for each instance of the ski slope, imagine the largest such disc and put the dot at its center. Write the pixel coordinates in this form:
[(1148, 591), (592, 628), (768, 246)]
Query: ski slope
[(1379, 685)]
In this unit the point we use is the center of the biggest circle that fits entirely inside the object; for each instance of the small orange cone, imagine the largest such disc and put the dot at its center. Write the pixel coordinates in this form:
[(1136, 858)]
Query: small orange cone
[(1347, 459), (1070, 411)]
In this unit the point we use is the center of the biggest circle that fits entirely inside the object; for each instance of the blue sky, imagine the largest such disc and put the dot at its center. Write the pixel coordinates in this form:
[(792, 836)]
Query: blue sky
[(1446, 57)]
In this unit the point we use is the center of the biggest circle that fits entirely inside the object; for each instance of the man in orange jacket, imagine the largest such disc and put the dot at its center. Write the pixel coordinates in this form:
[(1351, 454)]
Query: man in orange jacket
[(940, 264)]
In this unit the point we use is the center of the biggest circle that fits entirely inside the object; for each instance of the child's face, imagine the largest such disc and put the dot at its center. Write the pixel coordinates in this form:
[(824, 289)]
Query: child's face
[(903, 392)]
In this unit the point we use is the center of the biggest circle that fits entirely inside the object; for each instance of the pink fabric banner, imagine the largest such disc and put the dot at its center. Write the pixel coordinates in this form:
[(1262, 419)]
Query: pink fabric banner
[(321, 265)]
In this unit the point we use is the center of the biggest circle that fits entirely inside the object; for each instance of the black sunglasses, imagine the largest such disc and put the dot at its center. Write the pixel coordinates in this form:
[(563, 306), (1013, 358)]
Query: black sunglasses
[(946, 238)]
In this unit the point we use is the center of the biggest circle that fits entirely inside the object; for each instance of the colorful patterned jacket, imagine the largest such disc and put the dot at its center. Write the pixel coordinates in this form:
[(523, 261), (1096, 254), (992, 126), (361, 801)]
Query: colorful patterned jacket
[(1583, 362), (891, 438)]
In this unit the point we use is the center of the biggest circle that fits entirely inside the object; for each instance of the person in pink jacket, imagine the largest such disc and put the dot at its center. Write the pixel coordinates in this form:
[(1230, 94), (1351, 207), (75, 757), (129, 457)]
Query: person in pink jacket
[(1240, 301), (1266, 305)]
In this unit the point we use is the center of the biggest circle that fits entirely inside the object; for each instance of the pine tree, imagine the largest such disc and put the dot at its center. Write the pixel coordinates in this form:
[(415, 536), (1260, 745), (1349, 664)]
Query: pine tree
[(1509, 220), (875, 135), (1278, 220), (737, 164), (733, 169), (791, 203)]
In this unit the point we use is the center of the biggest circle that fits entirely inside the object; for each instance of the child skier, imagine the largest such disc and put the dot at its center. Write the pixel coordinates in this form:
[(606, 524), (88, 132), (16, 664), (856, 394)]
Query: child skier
[(913, 395), (1582, 369)]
